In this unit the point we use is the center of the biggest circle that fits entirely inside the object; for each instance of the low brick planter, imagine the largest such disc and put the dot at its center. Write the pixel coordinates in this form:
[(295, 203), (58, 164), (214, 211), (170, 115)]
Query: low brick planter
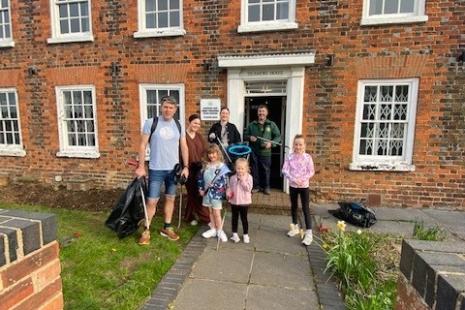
[(432, 275), (29, 261)]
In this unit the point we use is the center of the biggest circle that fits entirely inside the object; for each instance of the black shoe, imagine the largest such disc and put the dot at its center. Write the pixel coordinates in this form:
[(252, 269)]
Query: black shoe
[(266, 191)]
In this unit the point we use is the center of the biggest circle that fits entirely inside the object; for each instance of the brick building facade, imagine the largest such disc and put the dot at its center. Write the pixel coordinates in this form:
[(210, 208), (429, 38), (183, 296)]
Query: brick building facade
[(377, 87)]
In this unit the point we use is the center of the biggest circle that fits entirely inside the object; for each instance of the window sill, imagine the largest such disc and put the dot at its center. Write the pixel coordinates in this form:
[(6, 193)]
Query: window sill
[(71, 39), (393, 20), (79, 154), (256, 27), (159, 33), (367, 166), (13, 152), (7, 43)]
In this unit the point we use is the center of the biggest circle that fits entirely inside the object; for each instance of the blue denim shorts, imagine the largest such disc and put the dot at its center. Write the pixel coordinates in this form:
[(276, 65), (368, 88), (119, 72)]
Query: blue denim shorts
[(157, 178), (211, 203)]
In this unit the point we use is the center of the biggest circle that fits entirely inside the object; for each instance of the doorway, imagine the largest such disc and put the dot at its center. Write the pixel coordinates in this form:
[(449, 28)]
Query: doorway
[(277, 113)]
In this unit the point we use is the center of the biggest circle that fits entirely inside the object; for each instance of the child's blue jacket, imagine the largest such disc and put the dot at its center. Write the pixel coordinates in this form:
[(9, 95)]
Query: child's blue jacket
[(217, 190)]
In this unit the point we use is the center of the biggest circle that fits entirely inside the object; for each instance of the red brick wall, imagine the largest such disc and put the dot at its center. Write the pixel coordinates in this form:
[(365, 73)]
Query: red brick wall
[(423, 50), (33, 281)]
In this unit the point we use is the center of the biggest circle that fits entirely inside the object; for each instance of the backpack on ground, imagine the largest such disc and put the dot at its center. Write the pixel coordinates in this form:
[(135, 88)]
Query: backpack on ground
[(355, 213)]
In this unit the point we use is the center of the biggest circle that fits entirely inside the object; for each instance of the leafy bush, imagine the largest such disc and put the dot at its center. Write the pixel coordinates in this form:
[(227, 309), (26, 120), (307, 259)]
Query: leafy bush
[(421, 232)]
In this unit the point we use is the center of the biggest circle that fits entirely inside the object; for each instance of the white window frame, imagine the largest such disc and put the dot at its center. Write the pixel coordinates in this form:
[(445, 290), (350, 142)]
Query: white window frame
[(58, 37), (144, 32), (143, 100), (8, 42), (417, 16), (68, 150), (247, 26), (13, 149), (386, 163)]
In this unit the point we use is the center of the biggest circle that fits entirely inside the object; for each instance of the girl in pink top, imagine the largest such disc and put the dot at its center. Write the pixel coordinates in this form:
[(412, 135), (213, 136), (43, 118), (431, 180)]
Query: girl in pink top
[(298, 169), (239, 195)]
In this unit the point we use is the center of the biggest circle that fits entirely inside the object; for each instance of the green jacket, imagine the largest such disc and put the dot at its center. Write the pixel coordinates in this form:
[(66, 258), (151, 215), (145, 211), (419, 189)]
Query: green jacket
[(268, 130)]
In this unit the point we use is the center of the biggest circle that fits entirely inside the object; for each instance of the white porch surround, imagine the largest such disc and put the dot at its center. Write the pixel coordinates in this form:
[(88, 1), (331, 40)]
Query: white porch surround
[(288, 67)]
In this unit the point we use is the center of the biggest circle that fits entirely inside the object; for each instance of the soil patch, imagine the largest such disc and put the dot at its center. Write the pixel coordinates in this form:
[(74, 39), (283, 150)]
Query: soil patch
[(41, 194)]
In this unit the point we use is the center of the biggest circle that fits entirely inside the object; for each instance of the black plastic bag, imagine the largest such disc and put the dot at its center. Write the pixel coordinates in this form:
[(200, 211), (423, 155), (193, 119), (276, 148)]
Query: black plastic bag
[(355, 213), (129, 210)]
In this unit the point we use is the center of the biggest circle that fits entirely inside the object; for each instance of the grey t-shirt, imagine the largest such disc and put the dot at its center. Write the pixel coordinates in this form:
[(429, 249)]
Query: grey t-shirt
[(164, 145)]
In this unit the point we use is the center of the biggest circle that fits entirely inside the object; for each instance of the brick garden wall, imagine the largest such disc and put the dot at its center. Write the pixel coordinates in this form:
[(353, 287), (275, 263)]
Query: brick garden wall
[(29, 262), (425, 50)]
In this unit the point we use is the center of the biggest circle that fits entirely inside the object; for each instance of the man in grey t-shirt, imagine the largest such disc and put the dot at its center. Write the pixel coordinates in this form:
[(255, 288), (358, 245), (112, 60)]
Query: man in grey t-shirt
[(164, 155)]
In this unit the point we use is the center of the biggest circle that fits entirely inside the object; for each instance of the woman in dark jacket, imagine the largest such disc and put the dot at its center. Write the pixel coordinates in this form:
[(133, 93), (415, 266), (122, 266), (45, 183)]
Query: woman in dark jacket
[(224, 131)]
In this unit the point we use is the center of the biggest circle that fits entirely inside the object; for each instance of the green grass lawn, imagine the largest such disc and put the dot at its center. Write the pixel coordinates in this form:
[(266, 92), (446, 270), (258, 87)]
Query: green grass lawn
[(100, 271)]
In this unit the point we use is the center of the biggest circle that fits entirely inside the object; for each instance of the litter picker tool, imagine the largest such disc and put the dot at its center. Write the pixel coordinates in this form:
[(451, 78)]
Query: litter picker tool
[(222, 225), (214, 136), (271, 141), (142, 194)]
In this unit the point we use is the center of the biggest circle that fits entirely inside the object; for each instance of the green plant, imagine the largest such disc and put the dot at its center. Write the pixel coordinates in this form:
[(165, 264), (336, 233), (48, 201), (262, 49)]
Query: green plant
[(352, 259), (421, 232)]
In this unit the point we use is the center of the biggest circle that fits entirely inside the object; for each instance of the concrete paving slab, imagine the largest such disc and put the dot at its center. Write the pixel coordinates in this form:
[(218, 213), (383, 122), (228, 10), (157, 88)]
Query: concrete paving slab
[(276, 240), (404, 229), (211, 265), (277, 222), (197, 294), (405, 215), (260, 297), (280, 270), (454, 221)]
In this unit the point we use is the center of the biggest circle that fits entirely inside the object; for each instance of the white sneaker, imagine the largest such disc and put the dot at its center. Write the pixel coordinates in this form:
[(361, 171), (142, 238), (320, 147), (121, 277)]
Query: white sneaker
[(222, 235), (194, 223), (235, 238), (308, 237), (294, 231), (209, 233), (246, 239)]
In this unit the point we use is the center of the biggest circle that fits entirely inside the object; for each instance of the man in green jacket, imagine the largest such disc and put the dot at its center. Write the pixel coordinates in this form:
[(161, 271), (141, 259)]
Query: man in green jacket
[(262, 134)]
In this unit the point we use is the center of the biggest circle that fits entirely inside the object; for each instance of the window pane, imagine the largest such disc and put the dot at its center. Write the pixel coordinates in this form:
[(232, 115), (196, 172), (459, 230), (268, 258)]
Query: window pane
[(9, 138), (90, 140), (82, 139), (376, 7), (282, 11), (4, 112), (90, 126), (1, 17), (84, 9), (175, 94), (8, 126), (162, 5), (2, 136), (151, 21), (391, 6), (401, 93), (85, 24), (254, 13), (151, 97), (367, 130), (88, 111), (63, 9), (15, 126), (174, 4), (1, 31), (254, 1), (2, 99), (70, 126), (386, 93), (162, 93), (382, 130), (369, 111), (385, 112), (6, 17), (72, 139), (64, 26), (74, 10), (149, 5), (7, 31), (268, 12), (370, 93), (16, 137), (75, 25), (400, 112), (80, 126), (13, 112), (77, 98), (163, 20), (4, 3), (87, 97), (407, 6), (174, 19), (12, 99), (382, 147)]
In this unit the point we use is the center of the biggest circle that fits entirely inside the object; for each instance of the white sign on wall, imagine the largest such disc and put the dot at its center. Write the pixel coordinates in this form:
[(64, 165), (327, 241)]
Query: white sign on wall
[(210, 109)]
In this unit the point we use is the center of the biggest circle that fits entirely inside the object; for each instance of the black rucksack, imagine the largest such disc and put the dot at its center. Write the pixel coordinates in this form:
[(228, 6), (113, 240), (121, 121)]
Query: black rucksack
[(355, 213)]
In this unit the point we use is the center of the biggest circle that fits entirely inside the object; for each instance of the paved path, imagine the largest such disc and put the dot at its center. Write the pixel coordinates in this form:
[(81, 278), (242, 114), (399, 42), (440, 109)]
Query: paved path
[(272, 272)]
